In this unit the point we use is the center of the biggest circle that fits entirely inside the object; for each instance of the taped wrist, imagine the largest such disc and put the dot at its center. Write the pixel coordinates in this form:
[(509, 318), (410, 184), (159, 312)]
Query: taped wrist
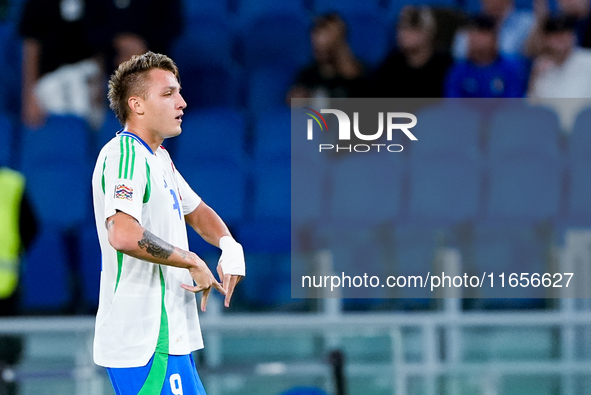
[(232, 258)]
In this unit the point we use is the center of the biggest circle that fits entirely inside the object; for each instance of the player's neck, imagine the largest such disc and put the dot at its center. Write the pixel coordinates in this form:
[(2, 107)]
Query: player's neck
[(151, 139)]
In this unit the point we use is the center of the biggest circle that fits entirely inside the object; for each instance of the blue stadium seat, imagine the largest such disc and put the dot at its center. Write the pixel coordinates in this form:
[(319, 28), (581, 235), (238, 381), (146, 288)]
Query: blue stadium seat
[(368, 35), (267, 227), (272, 186), (268, 87), (364, 200), (215, 135), (524, 196), (413, 249), (524, 164), (267, 282), (107, 131), (222, 187), (272, 134), (7, 157), (45, 277), (447, 128), (308, 191), (278, 37), (10, 63), (322, 6), (204, 54), (510, 249), (266, 235), (211, 85), (446, 166), (578, 209), (58, 169), (251, 8), (445, 193), (366, 188), (518, 128), (445, 189), (207, 39), (580, 140), (356, 251), (526, 189), (309, 180), (89, 253)]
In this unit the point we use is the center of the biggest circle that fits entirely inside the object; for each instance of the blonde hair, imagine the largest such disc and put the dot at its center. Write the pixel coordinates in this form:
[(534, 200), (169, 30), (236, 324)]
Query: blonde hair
[(130, 79)]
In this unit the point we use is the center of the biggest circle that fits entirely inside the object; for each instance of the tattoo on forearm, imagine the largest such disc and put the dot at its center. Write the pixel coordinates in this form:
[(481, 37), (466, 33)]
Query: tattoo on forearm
[(155, 246), (182, 253)]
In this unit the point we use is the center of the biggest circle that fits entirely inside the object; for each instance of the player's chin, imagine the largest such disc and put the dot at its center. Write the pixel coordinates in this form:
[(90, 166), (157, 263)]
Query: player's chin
[(175, 132)]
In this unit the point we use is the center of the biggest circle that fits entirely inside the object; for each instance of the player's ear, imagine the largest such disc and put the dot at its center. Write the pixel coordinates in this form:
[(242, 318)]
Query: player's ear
[(136, 104)]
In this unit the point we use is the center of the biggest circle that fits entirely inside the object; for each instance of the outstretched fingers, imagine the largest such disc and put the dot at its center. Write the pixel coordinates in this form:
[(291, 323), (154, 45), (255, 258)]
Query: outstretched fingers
[(206, 290), (230, 282)]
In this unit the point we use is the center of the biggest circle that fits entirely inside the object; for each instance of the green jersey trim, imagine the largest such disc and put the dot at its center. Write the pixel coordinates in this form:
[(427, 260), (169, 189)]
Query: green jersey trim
[(127, 157), (148, 184), (103, 177), (119, 268), (157, 375), (162, 344), (155, 380)]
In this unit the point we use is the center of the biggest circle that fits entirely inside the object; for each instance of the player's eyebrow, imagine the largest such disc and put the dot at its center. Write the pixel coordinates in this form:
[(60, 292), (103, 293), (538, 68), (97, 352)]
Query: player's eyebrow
[(171, 88)]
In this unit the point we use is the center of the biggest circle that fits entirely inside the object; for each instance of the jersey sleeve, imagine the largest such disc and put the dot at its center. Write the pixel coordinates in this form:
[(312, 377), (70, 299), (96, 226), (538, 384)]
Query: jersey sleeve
[(125, 178), (190, 200)]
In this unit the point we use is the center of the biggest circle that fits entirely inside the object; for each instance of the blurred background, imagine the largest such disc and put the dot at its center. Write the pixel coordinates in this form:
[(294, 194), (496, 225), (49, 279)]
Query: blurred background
[(521, 175)]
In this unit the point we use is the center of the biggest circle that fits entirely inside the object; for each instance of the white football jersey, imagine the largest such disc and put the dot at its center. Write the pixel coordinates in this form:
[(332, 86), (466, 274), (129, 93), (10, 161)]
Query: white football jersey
[(142, 307)]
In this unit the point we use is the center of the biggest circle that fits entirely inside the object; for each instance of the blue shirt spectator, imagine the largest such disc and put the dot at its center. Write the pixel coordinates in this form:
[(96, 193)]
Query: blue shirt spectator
[(485, 72), (502, 78)]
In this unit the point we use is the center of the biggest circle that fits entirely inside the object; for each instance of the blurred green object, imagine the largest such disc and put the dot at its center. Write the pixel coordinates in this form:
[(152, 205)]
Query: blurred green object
[(4, 7)]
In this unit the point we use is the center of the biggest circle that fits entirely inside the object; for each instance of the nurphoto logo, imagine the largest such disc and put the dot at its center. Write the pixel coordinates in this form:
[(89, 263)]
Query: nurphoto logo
[(344, 133)]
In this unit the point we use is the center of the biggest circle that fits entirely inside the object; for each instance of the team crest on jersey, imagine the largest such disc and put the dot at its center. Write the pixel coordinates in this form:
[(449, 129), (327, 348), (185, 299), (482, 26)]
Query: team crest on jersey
[(123, 192)]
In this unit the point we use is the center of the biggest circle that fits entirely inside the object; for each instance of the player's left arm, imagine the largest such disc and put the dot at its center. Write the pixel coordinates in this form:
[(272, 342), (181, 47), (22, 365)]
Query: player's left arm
[(209, 225)]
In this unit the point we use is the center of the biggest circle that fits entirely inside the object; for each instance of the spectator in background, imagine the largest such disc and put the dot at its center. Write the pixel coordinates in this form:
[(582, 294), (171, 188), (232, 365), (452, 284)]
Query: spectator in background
[(335, 71), (18, 228), (513, 29), (414, 69), (119, 29), (562, 71), (578, 10), (59, 73), (485, 72)]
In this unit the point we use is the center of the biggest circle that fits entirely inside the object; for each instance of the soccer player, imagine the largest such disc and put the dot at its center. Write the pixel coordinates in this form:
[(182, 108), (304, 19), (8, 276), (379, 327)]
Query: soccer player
[(147, 324)]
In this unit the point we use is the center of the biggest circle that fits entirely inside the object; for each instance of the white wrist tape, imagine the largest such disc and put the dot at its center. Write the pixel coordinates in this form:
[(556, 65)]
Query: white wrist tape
[(232, 258)]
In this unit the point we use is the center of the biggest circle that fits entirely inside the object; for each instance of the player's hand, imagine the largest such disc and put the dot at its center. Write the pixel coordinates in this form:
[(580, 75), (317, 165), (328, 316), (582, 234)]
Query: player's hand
[(231, 267), (204, 280), (229, 282)]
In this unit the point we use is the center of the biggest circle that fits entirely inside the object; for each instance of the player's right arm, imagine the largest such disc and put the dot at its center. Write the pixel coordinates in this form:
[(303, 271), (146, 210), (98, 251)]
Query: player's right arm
[(129, 237)]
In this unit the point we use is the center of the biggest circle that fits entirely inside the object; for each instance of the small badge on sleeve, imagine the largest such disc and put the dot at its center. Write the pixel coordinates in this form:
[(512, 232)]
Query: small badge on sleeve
[(123, 192)]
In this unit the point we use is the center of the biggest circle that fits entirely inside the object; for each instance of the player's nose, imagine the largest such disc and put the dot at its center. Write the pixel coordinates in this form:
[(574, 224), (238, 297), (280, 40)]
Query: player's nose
[(182, 104)]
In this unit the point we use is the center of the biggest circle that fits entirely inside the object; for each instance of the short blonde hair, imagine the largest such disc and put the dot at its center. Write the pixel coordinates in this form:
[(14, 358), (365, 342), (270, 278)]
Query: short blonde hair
[(130, 79)]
